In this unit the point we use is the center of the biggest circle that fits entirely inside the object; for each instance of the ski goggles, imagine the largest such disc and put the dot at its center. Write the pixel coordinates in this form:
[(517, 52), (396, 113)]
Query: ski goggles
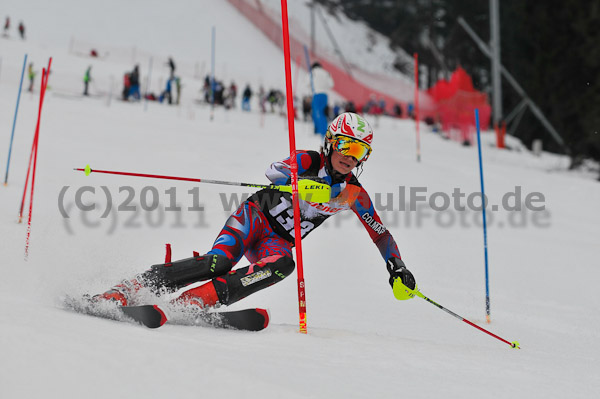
[(351, 147)]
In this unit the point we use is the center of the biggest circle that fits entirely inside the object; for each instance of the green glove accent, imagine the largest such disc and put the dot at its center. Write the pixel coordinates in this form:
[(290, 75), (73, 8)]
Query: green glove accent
[(402, 292)]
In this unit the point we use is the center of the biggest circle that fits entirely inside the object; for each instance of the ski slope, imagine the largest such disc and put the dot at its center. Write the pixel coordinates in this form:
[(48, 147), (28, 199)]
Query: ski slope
[(361, 341)]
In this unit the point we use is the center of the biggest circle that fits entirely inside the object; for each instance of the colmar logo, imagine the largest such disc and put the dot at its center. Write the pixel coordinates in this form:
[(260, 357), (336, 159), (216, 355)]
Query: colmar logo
[(372, 223)]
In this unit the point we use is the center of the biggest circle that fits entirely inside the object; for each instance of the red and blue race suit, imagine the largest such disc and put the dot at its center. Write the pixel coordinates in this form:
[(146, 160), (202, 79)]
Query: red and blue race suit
[(264, 225)]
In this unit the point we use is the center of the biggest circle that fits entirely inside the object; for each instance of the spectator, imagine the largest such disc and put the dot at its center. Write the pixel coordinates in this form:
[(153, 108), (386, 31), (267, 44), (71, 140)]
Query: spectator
[(246, 96), (31, 75), (167, 95), (22, 30), (6, 26), (306, 107), (126, 86), (262, 99), (171, 65), (177, 89), (321, 84), (397, 110), (232, 94), (134, 81), (87, 78), (411, 110)]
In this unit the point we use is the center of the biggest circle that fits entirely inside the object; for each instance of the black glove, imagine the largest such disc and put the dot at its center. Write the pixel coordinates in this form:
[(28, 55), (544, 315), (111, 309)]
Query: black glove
[(397, 268)]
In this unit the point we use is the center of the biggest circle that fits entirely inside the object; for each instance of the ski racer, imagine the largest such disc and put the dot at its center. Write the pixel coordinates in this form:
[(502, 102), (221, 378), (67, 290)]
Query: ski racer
[(262, 228)]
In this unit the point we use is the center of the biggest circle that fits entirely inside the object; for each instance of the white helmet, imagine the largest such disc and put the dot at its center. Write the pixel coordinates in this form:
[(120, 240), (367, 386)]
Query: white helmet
[(349, 134)]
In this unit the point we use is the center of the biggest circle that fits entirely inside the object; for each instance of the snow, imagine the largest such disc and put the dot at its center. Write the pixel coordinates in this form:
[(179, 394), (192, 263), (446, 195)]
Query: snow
[(361, 341)]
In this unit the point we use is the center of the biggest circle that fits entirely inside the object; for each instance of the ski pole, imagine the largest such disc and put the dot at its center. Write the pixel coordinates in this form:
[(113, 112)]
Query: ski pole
[(401, 291), (309, 190)]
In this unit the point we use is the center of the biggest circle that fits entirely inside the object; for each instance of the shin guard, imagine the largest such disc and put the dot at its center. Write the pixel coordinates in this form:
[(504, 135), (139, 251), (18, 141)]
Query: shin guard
[(174, 275), (242, 282)]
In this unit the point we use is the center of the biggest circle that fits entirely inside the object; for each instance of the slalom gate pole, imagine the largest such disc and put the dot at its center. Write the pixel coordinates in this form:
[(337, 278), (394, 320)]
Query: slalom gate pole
[(212, 72), (416, 56), (45, 75), (483, 206), (12, 135), (513, 344), (294, 168), (31, 155)]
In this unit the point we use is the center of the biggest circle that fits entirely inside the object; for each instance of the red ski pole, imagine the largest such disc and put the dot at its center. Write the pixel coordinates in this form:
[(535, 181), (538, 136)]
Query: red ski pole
[(403, 292)]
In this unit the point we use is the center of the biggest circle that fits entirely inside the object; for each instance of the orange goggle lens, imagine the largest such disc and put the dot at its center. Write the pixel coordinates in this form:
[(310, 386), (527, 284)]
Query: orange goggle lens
[(352, 148)]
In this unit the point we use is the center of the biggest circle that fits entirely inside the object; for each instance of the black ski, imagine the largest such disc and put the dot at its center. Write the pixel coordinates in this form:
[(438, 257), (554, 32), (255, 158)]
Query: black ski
[(254, 319), (152, 316)]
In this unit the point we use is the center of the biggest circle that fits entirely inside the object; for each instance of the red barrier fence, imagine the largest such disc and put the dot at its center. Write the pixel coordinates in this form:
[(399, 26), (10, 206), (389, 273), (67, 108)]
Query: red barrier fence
[(452, 102), (456, 101), (347, 86)]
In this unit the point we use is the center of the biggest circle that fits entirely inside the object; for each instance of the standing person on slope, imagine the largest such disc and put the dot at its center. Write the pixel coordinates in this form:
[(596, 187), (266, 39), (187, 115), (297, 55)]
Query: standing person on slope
[(262, 228), (322, 82)]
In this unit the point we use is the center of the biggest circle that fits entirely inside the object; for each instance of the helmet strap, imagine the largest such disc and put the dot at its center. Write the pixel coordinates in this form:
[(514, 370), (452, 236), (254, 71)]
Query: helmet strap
[(359, 169)]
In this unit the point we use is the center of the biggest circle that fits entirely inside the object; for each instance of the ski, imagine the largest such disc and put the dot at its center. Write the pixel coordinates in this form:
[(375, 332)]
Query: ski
[(254, 319), (152, 316)]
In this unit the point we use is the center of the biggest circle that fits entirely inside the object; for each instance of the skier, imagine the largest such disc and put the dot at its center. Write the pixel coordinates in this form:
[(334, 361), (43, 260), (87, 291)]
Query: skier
[(262, 229)]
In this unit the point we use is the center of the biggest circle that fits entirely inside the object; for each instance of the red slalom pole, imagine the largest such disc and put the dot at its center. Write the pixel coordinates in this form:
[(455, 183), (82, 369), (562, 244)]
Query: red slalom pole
[(45, 75), (294, 167), (33, 145)]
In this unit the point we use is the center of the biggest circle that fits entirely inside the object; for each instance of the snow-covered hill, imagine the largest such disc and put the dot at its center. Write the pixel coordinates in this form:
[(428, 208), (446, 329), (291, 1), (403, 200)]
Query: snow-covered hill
[(361, 342)]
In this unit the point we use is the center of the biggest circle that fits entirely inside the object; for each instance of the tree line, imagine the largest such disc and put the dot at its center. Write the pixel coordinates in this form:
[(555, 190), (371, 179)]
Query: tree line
[(551, 48)]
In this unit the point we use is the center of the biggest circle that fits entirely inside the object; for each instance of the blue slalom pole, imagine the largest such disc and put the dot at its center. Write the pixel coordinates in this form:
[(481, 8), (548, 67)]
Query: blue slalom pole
[(12, 135), (312, 85), (483, 205), (212, 71)]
